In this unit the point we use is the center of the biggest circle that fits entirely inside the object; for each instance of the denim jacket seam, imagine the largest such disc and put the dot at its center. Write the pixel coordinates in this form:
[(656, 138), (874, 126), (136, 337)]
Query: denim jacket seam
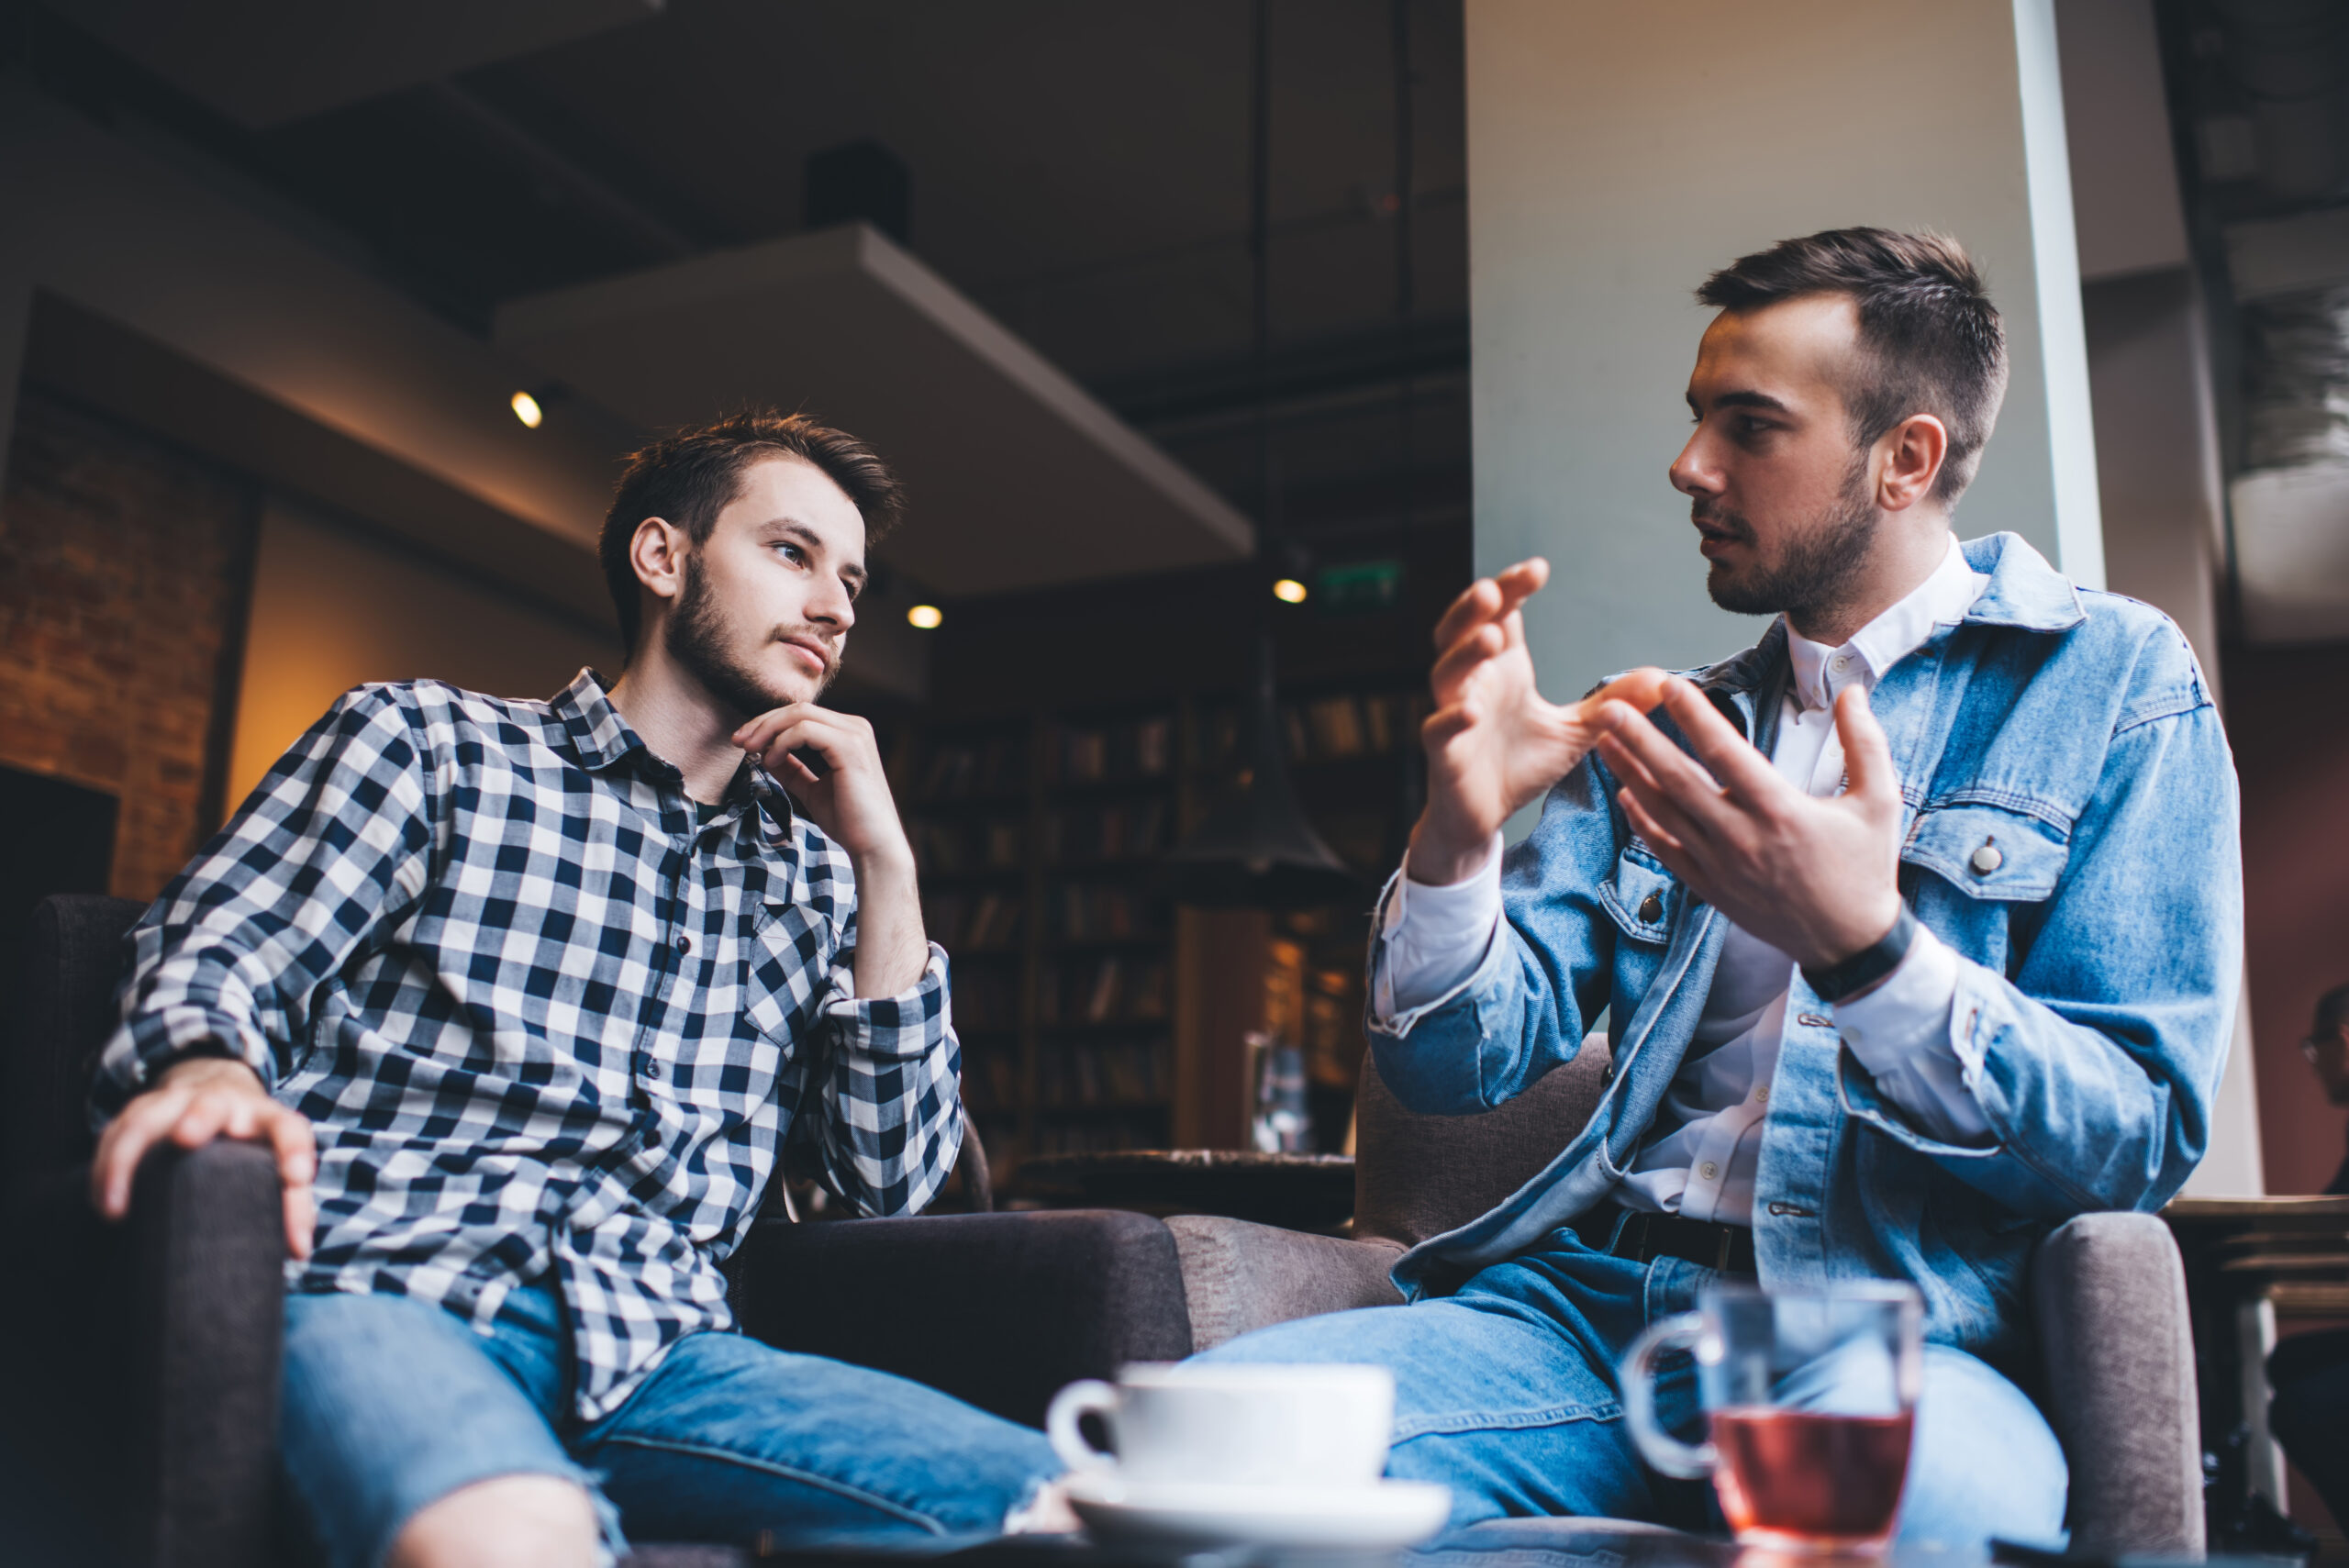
[(2196, 701), (2021, 801)]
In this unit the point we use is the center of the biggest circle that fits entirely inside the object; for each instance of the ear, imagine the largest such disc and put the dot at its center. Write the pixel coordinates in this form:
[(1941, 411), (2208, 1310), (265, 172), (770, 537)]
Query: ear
[(1912, 453), (657, 551)]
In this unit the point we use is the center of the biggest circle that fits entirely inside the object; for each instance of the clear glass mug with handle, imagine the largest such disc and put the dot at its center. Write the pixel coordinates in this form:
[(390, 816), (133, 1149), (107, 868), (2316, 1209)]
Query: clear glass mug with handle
[(1811, 1398)]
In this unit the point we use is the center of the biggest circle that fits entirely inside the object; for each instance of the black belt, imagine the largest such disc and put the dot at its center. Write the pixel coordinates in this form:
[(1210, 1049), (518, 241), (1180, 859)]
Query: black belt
[(1645, 1237)]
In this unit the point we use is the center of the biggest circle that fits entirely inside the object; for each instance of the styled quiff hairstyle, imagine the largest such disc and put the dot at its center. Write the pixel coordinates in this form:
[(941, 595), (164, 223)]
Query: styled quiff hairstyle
[(1929, 338), (690, 475)]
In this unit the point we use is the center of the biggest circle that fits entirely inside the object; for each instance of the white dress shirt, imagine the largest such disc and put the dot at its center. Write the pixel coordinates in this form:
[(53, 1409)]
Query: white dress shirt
[(1699, 1155)]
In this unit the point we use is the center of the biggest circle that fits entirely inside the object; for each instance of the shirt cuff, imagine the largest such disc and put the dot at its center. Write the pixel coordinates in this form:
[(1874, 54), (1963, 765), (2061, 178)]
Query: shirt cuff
[(909, 1026), (1900, 1031), (1436, 936)]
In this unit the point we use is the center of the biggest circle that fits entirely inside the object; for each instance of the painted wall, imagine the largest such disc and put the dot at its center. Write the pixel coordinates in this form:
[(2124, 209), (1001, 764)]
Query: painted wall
[(1620, 153), (334, 607)]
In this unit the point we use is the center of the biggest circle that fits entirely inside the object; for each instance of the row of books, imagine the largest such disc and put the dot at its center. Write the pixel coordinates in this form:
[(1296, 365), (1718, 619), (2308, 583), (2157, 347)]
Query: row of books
[(1091, 912), (962, 922), (990, 1080), (986, 999), (1134, 748), (1127, 832), (1115, 989), (1330, 729), (958, 849), (1097, 1135), (957, 769), (1082, 1074)]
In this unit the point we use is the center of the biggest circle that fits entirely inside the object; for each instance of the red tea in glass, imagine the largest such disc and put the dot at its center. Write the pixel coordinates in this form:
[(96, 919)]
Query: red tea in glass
[(1812, 1397), (1798, 1479)]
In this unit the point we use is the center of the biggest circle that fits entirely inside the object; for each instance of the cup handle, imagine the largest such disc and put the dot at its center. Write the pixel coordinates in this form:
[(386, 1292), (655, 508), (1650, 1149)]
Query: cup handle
[(1660, 1448), (1090, 1396)]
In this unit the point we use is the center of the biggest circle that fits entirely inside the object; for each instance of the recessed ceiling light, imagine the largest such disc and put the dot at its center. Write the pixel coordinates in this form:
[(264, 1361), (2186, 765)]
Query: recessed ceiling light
[(527, 409), (926, 616), (1289, 591)]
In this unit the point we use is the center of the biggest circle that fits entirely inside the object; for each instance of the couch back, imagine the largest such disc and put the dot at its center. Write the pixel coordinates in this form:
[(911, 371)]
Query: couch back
[(61, 1014), (1417, 1176)]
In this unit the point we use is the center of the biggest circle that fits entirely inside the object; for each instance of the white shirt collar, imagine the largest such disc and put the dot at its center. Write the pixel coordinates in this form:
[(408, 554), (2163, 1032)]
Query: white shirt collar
[(1942, 599)]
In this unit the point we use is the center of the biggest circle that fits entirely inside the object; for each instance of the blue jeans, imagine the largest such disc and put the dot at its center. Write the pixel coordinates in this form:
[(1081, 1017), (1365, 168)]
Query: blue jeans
[(391, 1404), (1506, 1392)]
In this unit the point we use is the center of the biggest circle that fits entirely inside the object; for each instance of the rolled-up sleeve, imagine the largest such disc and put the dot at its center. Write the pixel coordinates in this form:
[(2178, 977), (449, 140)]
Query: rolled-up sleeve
[(892, 1091)]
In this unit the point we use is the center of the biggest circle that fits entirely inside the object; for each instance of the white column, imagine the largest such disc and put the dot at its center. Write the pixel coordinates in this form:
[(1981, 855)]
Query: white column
[(1619, 153)]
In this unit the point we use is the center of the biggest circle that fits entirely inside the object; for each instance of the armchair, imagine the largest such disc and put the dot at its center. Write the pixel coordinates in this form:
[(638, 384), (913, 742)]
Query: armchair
[(144, 1356), (2107, 1291)]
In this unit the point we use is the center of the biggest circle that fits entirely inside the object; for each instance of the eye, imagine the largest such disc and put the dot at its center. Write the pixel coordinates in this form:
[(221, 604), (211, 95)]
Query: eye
[(792, 552)]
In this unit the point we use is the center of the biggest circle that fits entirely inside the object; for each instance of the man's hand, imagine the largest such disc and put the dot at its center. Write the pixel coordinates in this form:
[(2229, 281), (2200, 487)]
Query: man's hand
[(1492, 744), (195, 1102), (853, 805), (1817, 879)]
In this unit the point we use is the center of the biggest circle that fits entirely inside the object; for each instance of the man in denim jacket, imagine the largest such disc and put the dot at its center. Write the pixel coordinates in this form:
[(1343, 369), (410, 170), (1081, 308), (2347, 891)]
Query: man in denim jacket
[(1917, 925)]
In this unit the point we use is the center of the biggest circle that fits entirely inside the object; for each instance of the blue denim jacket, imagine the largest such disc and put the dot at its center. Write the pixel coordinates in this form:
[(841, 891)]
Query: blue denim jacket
[(2099, 960)]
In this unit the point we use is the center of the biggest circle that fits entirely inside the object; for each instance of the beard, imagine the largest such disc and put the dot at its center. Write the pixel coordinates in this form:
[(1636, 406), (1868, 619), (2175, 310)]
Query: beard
[(1817, 566), (702, 641)]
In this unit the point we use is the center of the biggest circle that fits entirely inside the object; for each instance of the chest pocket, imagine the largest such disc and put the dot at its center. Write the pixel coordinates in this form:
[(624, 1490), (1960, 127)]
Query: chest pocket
[(1642, 895), (1987, 852), (785, 964)]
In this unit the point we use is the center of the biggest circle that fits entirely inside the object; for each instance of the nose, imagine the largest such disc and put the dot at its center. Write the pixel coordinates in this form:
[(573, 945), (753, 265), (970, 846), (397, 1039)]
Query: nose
[(1693, 471), (833, 606)]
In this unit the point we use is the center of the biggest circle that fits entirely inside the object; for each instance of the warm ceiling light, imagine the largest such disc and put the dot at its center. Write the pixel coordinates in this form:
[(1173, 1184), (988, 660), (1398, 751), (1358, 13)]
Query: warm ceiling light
[(1289, 591), (527, 409), (926, 616)]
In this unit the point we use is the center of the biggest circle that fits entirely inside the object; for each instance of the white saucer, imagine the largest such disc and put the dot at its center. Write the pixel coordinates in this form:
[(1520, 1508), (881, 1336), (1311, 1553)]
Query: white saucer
[(1386, 1516)]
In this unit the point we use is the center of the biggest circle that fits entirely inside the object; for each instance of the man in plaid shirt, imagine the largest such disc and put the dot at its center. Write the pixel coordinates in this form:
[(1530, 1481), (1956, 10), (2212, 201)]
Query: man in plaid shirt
[(527, 997)]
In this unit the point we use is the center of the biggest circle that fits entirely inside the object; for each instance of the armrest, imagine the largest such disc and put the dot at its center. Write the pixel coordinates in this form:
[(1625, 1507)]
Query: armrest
[(156, 1386), (999, 1309), (2110, 1295), (1238, 1276)]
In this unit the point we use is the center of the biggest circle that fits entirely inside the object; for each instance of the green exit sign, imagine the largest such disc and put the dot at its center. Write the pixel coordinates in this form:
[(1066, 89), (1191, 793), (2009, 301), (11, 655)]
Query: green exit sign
[(1360, 586)]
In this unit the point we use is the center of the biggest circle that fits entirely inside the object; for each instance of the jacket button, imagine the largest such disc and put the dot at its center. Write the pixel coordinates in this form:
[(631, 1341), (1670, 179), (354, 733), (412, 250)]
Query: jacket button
[(1607, 1077), (1652, 908), (1986, 859)]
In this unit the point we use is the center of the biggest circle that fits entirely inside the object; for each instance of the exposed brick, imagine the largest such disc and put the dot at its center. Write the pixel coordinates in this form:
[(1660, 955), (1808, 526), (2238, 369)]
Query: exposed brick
[(118, 578)]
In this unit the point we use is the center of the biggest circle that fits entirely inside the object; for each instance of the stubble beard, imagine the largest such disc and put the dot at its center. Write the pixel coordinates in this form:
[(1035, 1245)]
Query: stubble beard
[(1818, 566), (700, 639)]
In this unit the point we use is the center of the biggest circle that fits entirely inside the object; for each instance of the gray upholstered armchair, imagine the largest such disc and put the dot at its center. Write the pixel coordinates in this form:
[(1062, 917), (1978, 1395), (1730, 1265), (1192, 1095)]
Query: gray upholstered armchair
[(2108, 1292)]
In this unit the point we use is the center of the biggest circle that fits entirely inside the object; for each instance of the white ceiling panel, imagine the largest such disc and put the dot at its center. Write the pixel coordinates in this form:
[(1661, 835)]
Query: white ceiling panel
[(1017, 477)]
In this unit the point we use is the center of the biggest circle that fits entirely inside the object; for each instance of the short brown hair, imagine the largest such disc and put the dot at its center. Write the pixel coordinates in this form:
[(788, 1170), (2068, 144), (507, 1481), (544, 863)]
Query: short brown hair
[(690, 475), (1929, 338)]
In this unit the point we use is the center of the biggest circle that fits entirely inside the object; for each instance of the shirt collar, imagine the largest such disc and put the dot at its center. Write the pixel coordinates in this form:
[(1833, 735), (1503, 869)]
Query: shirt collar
[(1942, 599), (598, 734)]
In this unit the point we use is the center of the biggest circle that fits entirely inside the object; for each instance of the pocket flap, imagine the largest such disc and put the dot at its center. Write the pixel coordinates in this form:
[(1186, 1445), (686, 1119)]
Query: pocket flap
[(1642, 895), (1987, 851)]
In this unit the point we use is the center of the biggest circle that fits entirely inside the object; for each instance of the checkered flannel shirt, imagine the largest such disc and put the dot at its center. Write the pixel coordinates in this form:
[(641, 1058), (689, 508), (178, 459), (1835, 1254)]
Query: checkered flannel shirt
[(541, 1017)]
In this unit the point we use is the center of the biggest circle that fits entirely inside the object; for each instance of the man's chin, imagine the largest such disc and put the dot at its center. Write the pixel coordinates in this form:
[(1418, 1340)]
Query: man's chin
[(1734, 591)]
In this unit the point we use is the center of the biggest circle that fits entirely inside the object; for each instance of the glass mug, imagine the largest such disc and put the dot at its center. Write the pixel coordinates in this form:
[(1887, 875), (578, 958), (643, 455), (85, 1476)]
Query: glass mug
[(1811, 1396)]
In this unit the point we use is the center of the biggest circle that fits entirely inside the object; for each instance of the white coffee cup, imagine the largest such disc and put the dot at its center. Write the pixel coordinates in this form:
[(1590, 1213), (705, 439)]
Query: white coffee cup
[(1218, 1423)]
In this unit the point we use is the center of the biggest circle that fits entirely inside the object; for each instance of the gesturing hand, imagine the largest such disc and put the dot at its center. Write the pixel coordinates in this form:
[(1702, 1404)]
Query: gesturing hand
[(852, 801), (195, 1102), (1492, 744), (1817, 879)]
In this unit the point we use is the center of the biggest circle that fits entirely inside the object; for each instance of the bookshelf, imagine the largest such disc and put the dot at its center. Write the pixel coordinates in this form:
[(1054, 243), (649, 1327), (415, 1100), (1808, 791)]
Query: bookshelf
[(1038, 839)]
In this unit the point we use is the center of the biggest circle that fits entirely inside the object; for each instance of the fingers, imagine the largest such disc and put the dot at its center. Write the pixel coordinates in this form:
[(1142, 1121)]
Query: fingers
[(772, 737), (1662, 768), (125, 1143), (1640, 690), (1491, 599), (1457, 663), (1734, 762), (298, 1165), (1867, 754)]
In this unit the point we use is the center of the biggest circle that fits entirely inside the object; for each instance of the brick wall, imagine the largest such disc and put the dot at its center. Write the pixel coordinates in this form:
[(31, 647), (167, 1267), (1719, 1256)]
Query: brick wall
[(123, 571)]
